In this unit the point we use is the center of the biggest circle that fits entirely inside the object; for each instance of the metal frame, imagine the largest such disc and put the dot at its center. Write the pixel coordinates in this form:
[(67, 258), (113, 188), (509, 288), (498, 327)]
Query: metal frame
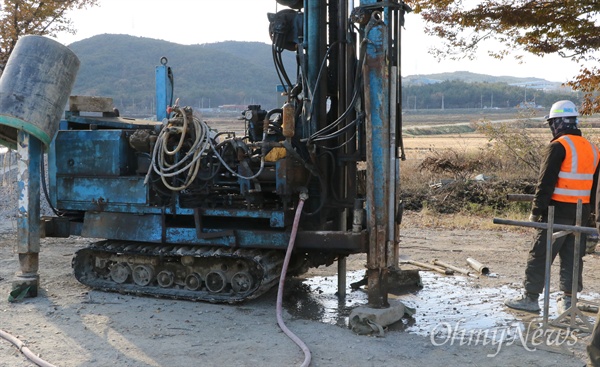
[(572, 312)]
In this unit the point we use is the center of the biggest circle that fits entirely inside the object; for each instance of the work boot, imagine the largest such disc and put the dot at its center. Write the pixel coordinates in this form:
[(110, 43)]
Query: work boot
[(563, 303), (525, 302), (591, 243)]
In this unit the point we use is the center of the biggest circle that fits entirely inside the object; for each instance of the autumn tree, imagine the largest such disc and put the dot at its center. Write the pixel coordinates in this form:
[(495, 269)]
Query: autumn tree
[(569, 28), (42, 18)]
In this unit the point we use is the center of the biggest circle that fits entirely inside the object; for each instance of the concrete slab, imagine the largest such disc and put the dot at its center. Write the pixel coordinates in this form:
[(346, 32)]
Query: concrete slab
[(367, 320)]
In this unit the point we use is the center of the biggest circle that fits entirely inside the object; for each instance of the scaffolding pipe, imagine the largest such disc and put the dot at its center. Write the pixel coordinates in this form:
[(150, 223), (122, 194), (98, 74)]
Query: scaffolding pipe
[(540, 225)]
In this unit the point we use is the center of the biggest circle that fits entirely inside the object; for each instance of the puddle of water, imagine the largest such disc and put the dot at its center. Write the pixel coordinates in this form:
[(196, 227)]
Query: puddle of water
[(443, 305), (316, 298)]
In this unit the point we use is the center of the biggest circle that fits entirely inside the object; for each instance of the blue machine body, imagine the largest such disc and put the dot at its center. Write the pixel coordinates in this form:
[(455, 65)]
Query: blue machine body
[(95, 179), (173, 180)]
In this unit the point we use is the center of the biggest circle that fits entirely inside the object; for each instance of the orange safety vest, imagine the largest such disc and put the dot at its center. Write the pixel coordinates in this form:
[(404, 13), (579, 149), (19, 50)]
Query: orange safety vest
[(576, 175)]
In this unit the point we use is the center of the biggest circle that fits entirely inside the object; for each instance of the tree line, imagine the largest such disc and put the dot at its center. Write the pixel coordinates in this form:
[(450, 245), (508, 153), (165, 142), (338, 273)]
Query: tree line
[(452, 94)]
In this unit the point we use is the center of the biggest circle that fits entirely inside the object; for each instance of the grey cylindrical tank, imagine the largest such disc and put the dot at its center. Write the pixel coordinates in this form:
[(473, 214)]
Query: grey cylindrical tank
[(34, 89)]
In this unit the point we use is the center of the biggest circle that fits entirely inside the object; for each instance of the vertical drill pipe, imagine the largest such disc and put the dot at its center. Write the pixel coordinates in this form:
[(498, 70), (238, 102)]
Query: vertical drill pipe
[(347, 79), (378, 158), (392, 251), (315, 43), (395, 120), (341, 277), (340, 15), (549, 241), (398, 18)]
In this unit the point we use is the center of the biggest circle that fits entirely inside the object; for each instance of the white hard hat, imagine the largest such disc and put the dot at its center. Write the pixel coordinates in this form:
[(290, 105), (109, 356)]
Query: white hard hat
[(563, 109)]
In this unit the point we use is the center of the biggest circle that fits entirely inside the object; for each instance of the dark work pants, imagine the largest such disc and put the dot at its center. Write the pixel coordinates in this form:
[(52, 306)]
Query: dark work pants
[(563, 247), (593, 349)]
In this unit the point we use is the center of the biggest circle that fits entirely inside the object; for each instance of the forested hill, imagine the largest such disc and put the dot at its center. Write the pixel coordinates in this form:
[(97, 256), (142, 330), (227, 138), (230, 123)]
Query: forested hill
[(242, 73), (123, 67)]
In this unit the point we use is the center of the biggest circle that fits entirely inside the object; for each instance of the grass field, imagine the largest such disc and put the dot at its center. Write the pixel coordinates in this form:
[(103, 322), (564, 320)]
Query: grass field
[(437, 131)]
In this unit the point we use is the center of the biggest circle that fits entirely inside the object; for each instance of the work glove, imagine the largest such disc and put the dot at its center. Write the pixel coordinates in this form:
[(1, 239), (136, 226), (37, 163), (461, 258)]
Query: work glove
[(534, 218)]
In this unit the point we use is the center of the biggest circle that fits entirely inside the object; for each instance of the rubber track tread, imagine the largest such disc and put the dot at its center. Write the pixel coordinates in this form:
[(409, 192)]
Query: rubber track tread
[(268, 261)]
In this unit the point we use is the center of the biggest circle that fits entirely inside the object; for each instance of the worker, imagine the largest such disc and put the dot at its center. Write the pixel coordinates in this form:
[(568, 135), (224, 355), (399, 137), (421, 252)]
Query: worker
[(569, 172)]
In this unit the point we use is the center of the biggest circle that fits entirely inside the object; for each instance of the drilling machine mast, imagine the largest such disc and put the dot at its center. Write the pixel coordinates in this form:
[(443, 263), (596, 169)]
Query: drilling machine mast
[(187, 212)]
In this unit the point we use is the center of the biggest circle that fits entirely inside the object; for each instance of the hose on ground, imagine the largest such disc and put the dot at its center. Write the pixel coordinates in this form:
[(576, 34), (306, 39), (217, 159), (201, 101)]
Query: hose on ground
[(23, 349), (286, 261)]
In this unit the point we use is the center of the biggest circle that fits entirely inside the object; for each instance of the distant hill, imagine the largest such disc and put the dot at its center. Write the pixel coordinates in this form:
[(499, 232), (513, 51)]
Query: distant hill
[(231, 72), (469, 77), (123, 67)]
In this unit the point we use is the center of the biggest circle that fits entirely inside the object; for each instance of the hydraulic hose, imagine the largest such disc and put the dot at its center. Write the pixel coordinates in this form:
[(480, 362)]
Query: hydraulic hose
[(23, 349), (286, 261)]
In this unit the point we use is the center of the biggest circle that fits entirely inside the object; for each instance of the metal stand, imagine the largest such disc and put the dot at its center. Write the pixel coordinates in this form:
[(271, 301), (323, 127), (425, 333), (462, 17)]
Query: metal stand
[(572, 312), (549, 241)]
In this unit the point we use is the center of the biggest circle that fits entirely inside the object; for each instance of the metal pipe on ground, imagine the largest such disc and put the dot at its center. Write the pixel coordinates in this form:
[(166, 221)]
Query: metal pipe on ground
[(455, 268), (482, 269), (430, 267)]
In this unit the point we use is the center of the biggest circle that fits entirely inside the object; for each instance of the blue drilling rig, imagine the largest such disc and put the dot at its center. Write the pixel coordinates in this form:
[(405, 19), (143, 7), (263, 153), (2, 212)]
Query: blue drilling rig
[(180, 210)]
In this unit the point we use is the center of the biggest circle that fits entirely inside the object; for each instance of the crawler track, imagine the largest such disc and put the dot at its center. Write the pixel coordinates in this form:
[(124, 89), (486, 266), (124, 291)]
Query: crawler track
[(212, 274)]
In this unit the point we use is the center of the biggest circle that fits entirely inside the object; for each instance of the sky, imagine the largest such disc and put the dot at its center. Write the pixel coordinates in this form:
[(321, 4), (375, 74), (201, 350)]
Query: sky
[(207, 21)]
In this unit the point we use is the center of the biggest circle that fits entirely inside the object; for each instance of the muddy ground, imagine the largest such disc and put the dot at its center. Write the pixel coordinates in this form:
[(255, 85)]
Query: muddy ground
[(71, 325)]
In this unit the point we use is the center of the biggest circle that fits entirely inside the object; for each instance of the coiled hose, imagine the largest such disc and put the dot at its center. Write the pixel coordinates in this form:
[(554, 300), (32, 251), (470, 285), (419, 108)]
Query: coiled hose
[(286, 261), (23, 349), (190, 162)]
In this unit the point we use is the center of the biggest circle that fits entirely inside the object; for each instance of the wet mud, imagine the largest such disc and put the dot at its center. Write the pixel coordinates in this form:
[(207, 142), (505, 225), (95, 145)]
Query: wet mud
[(444, 305)]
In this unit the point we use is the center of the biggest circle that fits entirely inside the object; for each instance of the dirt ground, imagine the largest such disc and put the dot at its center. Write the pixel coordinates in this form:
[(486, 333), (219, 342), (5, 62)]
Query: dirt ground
[(71, 325)]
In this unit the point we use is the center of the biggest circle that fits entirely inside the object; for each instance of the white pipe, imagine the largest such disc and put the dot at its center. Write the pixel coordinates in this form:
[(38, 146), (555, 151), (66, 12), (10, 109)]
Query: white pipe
[(23, 349)]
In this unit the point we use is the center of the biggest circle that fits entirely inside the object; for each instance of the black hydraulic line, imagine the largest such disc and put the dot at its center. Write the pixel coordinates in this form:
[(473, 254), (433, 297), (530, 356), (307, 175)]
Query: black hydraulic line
[(357, 85), (399, 24), (352, 138), (277, 66), (337, 133), (282, 66), (323, 197), (172, 79), (45, 189)]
